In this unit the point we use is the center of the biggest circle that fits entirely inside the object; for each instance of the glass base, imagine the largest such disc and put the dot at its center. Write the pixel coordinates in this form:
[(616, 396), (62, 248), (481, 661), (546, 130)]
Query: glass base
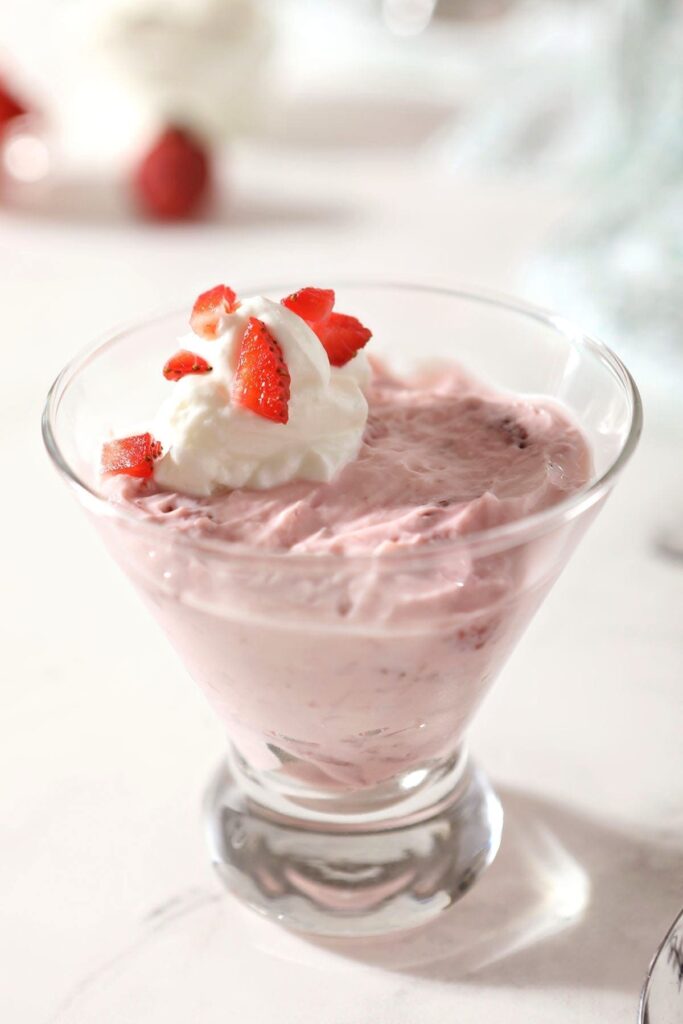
[(345, 871)]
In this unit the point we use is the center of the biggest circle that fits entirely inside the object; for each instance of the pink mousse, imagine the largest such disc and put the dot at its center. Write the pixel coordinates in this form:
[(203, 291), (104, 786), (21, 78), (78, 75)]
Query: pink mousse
[(346, 673)]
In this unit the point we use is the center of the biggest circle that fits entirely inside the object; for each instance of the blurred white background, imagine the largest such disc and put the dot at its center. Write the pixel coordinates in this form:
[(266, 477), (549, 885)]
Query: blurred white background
[(583, 98)]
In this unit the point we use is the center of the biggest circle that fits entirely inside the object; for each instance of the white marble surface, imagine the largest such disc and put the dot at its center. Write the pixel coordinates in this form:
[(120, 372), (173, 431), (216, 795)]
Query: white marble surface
[(109, 909)]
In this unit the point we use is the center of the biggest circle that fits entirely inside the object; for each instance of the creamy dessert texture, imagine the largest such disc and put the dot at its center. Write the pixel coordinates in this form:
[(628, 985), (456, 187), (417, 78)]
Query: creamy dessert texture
[(440, 457), (341, 671)]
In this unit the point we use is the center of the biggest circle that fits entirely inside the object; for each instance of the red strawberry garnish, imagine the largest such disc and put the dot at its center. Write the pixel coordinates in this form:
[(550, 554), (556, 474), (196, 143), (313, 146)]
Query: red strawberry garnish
[(342, 336), (172, 180), (262, 378), (185, 362), (311, 304), (133, 456), (210, 307)]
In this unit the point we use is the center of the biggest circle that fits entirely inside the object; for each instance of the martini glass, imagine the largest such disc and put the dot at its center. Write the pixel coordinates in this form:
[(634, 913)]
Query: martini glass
[(347, 803)]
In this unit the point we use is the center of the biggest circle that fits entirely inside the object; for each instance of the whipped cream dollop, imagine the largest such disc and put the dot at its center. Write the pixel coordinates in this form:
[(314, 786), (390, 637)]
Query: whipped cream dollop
[(210, 443)]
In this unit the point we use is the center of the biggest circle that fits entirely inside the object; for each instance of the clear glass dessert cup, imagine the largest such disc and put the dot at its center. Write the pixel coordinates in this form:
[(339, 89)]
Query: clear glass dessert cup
[(347, 804)]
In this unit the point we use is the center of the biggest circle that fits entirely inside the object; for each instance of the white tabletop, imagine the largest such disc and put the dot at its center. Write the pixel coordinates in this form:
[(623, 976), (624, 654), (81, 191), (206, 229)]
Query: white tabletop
[(110, 913)]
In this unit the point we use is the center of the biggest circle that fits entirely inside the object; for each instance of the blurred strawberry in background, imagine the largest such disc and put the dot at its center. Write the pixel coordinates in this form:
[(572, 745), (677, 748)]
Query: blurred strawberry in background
[(173, 180), (10, 106)]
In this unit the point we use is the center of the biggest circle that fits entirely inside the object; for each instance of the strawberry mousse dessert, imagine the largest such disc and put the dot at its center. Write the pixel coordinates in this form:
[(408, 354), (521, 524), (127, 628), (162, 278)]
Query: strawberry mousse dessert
[(344, 507)]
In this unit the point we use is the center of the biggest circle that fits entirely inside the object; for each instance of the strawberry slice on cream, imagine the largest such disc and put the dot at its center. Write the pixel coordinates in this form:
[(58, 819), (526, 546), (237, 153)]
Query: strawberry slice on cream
[(130, 456), (264, 393), (184, 362)]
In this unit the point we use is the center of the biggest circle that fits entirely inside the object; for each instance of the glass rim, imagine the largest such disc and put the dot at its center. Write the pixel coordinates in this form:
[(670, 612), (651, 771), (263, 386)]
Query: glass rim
[(506, 535), (653, 974)]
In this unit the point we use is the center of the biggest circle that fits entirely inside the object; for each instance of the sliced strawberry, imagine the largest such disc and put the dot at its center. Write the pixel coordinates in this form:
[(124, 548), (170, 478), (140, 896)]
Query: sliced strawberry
[(185, 362), (311, 304), (210, 307), (342, 336), (262, 378), (173, 179), (133, 456)]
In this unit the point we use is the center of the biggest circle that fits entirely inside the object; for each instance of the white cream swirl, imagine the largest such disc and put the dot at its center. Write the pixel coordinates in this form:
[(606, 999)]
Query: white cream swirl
[(211, 443)]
